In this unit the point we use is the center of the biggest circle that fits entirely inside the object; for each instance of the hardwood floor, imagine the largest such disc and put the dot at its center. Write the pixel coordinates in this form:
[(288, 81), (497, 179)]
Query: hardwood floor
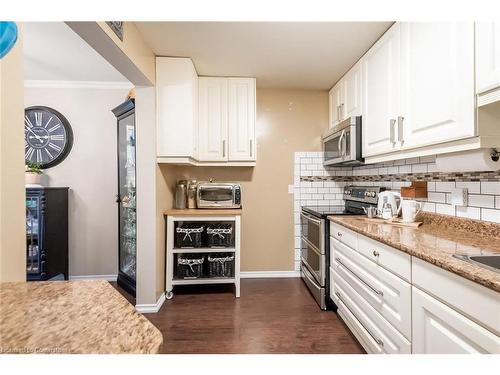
[(272, 316)]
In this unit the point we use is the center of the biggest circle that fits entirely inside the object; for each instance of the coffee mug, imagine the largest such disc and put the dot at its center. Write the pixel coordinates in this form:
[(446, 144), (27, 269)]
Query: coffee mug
[(410, 209)]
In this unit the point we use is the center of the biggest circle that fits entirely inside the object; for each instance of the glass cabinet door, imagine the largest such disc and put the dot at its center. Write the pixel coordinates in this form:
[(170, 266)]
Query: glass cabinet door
[(127, 195), (32, 234)]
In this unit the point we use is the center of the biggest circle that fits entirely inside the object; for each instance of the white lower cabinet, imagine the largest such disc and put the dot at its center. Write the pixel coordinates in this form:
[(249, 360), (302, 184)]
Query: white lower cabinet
[(379, 336), (386, 293), (439, 329), (403, 304)]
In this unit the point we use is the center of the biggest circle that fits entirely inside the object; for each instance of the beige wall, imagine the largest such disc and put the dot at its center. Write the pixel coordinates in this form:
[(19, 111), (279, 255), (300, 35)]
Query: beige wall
[(287, 121), (89, 171), (12, 193)]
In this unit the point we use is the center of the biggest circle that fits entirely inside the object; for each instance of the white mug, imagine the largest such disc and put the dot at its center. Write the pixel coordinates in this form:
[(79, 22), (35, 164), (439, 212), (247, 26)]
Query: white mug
[(410, 209)]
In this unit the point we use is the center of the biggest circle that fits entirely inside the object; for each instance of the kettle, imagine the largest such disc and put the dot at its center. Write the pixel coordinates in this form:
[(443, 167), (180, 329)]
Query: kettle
[(393, 198)]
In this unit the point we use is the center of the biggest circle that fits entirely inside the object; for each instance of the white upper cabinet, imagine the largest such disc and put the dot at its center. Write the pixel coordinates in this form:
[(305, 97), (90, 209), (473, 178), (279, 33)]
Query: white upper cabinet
[(226, 120), (351, 98), (487, 56), (241, 119), (345, 97), (381, 93), (437, 83), (335, 104), (177, 107), (212, 130)]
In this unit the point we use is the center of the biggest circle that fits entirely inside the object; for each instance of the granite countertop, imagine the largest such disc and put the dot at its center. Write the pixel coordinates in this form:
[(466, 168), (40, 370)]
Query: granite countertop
[(436, 240), (204, 212), (72, 317)]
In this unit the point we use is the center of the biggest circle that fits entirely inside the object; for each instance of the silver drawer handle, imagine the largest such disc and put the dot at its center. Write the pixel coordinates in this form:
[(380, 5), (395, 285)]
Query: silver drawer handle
[(377, 340), (376, 253), (379, 292)]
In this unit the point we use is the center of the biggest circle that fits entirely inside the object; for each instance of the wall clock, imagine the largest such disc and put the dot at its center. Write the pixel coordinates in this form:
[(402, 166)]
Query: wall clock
[(48, 136)]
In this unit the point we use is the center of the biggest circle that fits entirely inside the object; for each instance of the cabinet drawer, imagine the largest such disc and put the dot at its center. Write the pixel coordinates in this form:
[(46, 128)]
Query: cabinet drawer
[(344, 235), (385, 292), (380, 334), (439, 329), (392, 259), (476, 301)]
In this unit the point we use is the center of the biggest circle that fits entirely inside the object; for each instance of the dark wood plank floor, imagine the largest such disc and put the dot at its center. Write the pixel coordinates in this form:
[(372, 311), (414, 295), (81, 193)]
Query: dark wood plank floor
[(272, 316)]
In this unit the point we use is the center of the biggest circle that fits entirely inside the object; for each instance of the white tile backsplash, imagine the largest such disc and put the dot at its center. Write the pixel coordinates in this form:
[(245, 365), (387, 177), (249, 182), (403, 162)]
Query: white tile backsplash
[(490, 187)]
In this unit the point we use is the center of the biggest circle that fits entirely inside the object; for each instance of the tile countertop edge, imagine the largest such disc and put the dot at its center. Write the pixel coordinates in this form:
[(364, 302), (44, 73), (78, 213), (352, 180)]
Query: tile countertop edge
[(466, 270)]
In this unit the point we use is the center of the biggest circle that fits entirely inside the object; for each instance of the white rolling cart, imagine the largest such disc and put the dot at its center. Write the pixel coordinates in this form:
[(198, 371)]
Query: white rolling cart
[(176, 219)]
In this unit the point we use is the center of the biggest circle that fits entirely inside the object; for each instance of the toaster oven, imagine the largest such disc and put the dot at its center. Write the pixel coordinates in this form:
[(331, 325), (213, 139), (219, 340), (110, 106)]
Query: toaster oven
[(218, 195)]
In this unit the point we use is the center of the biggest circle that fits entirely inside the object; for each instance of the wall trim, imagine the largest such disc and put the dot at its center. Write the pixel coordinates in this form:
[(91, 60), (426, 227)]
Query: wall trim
[(268, 274), (94, 277), (77, 84), (151, 307)]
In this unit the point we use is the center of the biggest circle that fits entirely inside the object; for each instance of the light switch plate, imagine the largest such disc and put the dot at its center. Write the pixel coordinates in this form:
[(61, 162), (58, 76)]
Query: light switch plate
[(459, 197), (290, 189)]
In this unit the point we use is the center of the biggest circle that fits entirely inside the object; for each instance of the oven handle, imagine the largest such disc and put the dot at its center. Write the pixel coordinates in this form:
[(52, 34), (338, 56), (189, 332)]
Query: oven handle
[(379, 292), (310, 277), (310, 218)]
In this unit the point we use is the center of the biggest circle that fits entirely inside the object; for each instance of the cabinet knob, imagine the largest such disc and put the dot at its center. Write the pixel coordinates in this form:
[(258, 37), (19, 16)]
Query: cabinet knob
[(376, 253), (339, 234)]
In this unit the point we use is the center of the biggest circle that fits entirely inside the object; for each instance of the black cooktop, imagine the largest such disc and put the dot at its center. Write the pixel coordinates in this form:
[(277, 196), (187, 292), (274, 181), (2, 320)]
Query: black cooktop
[(324, 211)]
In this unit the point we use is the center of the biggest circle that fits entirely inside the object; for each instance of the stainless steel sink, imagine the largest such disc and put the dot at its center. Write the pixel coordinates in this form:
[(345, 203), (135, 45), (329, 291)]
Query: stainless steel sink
[(491, 262)]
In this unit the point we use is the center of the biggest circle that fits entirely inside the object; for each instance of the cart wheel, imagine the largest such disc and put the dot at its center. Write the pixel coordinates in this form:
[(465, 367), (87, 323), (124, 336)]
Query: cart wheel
[(169, 295)]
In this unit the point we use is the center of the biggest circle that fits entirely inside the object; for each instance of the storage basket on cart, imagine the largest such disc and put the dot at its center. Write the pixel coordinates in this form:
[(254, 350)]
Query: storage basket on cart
[(221, 265), (220, 235), (190, 267), (189, 235)]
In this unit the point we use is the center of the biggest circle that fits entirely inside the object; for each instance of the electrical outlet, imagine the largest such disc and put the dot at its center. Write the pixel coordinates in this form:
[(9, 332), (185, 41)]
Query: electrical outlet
[(459, 197), (290, 189)]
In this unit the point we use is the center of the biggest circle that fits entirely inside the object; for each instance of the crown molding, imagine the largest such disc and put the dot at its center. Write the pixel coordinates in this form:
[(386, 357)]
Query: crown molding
[(77, 84)]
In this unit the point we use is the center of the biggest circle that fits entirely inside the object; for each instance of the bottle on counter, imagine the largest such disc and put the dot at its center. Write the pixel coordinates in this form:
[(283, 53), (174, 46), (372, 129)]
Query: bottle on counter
[(180, 195), (191, 193)]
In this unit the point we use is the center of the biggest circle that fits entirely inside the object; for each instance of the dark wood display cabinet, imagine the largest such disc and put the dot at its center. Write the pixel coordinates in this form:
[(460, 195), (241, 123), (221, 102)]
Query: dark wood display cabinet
[(46, 233), (126, 196)]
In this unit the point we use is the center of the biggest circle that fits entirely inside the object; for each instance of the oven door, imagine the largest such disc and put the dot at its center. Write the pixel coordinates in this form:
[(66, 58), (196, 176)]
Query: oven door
[(313, 230), (215, 196), (314, 261)]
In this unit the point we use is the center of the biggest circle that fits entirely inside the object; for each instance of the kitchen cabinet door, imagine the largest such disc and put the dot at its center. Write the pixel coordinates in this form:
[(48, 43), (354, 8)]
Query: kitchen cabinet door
[(437, 65), (381, 88), (351, 98), (336, 104), (241, 119), (487, 56), (439, 329), (212, 124), (177, 107)]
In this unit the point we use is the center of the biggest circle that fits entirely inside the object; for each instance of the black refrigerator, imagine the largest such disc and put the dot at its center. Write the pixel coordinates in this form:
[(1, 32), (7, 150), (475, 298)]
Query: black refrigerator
[(126, 196), (46, 233)]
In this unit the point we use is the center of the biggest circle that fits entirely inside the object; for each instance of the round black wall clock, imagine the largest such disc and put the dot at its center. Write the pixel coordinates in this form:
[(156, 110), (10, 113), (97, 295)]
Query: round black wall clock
[(48, 136)]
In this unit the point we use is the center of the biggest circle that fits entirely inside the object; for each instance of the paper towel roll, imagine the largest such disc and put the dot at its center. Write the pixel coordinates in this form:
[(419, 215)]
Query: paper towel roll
[(467, 161)]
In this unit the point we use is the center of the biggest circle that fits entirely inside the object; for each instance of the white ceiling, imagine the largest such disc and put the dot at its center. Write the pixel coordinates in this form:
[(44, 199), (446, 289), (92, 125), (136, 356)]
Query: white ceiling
[(302, 55), (54, 52)]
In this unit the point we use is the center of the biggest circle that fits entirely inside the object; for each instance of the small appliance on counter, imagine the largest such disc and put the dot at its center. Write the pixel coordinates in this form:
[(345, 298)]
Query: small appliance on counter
[(315, 238), (218, 195)]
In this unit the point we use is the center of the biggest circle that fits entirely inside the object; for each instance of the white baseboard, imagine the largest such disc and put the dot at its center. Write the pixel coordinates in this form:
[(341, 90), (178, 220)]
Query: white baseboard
[(151, 307), (268, 274), (94, 277)]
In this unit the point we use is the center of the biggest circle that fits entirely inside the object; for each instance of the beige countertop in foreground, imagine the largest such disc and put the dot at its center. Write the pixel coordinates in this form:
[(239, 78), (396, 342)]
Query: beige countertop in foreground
[(204, 212), (436, 241), (72, 317)]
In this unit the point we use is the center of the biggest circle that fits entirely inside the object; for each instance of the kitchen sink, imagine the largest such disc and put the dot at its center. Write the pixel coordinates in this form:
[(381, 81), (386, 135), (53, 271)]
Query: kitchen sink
[(491, 262)]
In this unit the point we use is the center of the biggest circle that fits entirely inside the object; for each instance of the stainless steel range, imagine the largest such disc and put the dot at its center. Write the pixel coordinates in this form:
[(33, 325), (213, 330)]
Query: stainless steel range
[(315, 238)]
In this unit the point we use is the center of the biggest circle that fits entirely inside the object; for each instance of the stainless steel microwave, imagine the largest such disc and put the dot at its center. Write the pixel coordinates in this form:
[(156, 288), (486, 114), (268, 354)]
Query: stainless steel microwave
[(342, 143), (218, 195)]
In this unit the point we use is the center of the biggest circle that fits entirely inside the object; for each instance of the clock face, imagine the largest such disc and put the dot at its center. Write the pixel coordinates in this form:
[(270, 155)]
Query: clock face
[(48, 137)]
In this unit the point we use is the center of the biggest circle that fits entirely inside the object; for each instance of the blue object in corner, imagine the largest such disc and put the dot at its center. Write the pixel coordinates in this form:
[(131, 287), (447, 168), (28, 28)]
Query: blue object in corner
[(8, 37)]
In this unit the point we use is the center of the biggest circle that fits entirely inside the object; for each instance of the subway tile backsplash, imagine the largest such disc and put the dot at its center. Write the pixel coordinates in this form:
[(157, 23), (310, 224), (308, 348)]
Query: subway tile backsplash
[(315, 184)]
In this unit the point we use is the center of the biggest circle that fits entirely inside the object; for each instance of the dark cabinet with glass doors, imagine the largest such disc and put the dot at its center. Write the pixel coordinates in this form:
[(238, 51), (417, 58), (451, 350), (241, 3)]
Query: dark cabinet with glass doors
[(46, 233), (126, 196)]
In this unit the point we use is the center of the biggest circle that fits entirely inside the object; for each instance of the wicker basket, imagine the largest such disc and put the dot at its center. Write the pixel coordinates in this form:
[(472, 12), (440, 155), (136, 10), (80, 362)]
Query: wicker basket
[(190, 268), (220, 235), (221, 265), (189, 235)]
